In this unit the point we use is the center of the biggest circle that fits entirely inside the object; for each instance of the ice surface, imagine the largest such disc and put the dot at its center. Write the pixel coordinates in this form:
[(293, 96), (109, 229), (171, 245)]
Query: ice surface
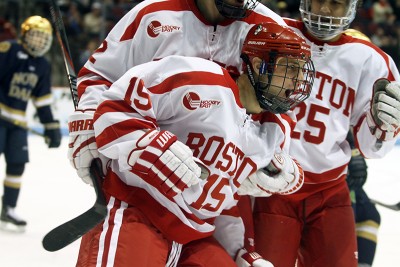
[(52, 194)]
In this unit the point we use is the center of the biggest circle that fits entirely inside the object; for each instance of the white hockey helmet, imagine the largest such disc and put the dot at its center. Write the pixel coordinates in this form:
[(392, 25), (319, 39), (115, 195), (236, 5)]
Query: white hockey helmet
[(239, 11), (36, 35), (326, 27)]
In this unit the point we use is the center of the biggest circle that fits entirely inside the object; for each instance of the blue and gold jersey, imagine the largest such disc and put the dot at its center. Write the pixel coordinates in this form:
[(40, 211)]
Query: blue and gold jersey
[(22, 77)]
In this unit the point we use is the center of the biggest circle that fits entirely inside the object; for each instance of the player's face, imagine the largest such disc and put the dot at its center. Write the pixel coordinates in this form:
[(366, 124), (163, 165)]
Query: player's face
[(330, 8), (287, 77)]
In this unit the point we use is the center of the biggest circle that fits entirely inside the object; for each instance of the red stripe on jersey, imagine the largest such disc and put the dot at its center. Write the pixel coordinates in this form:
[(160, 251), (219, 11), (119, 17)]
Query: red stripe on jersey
[(333, 174), (119, 129), (255, 18), (110, 228), (189, 78), (155, 7), (119, 106), (164, 220), (84, 84)]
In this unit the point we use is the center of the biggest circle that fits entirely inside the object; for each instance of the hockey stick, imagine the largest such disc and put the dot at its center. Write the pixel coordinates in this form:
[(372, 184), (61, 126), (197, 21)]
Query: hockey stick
[(70, 231), (395, 207), (66, 52), (21, 125)]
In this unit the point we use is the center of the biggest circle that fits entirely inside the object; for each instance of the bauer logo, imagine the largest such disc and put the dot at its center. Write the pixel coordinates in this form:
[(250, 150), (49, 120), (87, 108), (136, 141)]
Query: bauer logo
[(192, 101), (155, 28)]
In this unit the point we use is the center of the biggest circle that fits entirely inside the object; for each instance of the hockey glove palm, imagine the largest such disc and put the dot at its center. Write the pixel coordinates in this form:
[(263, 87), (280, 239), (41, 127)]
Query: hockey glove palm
[(384, 116), (166, 163), (282, 176), (82, 148), (52, 133)]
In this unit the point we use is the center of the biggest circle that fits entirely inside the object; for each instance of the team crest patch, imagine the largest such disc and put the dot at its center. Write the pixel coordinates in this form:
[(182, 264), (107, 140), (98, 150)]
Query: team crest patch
[(4, 46), (192, 101), (155, 28)]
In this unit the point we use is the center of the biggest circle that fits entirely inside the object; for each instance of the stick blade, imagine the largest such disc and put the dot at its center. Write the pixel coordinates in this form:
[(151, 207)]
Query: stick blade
[(65, 234), (395, 207)]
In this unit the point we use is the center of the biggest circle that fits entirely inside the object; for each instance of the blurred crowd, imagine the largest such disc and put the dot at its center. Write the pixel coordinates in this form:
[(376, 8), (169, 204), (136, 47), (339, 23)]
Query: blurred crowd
[(87, 22)]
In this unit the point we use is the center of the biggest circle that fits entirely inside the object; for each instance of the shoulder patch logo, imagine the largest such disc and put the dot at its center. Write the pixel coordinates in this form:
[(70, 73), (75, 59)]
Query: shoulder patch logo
[(155, 28), (4, 46), (192, 101)]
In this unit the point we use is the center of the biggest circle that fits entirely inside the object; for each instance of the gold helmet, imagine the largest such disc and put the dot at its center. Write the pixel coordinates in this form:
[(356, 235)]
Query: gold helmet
[(36, 35)]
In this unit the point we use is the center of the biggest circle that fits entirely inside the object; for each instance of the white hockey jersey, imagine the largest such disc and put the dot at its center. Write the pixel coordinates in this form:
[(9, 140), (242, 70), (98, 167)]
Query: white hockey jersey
[(345, 73), (158, 28), (198, 101)]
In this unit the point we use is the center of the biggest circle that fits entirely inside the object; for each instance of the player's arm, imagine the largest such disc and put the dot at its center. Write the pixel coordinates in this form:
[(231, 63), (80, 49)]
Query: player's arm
[(97, 75), (378, 127), (357, 168), (42, 99), (125, 126)]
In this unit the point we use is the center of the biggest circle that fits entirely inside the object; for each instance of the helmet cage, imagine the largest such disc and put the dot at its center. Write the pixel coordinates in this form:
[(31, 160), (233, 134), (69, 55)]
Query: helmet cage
[(278, 47), (277, 98), (326, 27), (235, 12), (36, 35)]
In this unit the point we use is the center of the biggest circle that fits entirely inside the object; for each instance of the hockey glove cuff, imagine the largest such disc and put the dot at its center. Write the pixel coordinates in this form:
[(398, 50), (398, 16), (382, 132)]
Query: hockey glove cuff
[(82, 148)]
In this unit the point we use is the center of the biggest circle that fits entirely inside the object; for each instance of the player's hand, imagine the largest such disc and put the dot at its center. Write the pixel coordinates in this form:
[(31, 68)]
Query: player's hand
[(282, 176), (357, 172), (251, 259), (52, 134), (251, 189), (82, 148), (167, 163), (384, 116)]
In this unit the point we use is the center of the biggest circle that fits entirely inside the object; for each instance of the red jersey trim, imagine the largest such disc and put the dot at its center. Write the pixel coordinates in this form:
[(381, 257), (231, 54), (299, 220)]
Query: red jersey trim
[(130, 31), (188, 78), (168, 224)]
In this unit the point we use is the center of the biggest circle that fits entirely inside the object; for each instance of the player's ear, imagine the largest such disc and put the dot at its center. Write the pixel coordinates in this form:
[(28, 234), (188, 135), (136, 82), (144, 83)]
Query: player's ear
[(256, 61)]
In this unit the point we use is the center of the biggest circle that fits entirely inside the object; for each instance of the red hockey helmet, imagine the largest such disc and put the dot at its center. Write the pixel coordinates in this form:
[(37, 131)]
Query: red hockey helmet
[(286, 73)]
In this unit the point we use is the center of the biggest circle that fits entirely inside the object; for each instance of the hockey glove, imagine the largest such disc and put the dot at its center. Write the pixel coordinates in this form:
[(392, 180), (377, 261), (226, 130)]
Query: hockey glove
[(251, 259), (384, 116), (357, 172), (282, 176), (167, 163), (52, 134), (82, 148)]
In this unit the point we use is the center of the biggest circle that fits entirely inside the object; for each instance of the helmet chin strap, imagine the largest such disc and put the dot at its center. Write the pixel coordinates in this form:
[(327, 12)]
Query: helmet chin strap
[(250, 69)]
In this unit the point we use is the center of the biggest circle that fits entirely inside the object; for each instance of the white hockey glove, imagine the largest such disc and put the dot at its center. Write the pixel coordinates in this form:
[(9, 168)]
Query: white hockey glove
[(251, 189), (384, 116), (282, 176), (168, 163), (252, 259), (82, 148)]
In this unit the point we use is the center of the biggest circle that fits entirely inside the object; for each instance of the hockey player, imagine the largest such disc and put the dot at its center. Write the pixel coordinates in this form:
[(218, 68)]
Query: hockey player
[(154, 29), (24, 75), (366, 213), (164, 119), (357, 85)]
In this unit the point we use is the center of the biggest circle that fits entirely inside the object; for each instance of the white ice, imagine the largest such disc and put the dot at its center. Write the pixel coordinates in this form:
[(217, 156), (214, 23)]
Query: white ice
[(52, 194)]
